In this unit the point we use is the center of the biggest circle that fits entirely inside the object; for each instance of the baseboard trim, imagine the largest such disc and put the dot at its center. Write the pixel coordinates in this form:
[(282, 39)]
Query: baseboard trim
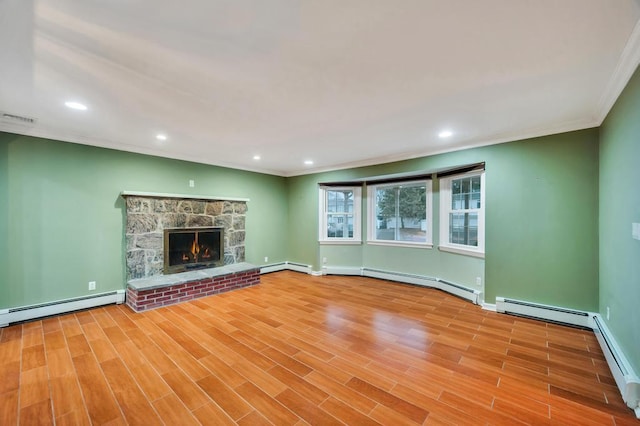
[(489, 307), (30, 312)]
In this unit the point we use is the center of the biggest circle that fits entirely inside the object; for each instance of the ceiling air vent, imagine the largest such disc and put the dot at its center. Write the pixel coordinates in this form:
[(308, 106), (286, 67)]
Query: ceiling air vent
[(8, 118)]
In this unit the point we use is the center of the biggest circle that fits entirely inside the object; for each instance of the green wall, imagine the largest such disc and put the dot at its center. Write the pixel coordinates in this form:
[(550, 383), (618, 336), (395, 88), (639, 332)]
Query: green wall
[(541, 222), (4, 221), (619, 208), (65, 217)]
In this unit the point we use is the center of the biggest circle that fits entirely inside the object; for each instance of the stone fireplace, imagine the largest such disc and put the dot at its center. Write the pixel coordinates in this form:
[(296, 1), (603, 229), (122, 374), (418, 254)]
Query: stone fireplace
[(148, 217), (180, 248)]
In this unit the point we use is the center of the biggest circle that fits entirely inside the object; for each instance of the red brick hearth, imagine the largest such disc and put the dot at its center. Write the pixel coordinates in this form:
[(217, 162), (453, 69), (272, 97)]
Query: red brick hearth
[(144, 294)]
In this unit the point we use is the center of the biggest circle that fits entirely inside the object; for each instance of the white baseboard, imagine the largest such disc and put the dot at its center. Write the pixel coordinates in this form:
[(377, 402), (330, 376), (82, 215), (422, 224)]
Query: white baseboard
[(489, 307), (26, 313)]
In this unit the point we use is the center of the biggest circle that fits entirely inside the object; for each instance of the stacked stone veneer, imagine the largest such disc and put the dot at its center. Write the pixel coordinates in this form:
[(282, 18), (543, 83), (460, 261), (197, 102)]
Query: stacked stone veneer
[(147, 217), (144, 294)]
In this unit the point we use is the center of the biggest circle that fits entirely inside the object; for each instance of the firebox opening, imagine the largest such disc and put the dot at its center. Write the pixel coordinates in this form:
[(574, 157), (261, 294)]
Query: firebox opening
[(193, 248)]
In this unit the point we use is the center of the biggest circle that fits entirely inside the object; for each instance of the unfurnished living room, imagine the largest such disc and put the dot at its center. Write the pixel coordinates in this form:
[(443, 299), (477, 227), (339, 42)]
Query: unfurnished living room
[(288, 213)]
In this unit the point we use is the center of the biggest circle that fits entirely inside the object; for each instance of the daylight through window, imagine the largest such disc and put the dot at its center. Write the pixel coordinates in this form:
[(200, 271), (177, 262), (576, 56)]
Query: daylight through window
[(400, 213), (462, 212), (340, 214)]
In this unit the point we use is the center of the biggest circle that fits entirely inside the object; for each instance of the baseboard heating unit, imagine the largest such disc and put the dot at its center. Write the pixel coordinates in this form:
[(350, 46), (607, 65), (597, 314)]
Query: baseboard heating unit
[(26, 313), (423, 280), (287, 266), (626, 379), (545, 312)]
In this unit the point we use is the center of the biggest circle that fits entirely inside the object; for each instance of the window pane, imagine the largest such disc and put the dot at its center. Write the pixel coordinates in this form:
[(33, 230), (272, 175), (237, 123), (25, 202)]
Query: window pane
[(457, 202), (475, 184), (463, 228), (475, 193), (401, 213), (339, 225), (465, 193), (384, 232), (457, 197), (331, 201), (412, 211), (386, 202), (340, 201), (465, 185)]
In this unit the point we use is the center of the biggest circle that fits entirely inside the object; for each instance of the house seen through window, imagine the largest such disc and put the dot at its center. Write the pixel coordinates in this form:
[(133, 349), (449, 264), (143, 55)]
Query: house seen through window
[(462, 212), (340, 214)]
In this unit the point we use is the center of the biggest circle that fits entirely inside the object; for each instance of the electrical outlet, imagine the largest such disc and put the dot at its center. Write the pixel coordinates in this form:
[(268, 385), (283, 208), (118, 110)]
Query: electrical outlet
[(607, 313), (192, 183), (635, 231), (478, 280), (92, 285), (324, 260), (266, 259)]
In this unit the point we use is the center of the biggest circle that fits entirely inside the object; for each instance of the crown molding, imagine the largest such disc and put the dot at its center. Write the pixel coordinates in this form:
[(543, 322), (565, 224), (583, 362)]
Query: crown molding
[(627, 65)]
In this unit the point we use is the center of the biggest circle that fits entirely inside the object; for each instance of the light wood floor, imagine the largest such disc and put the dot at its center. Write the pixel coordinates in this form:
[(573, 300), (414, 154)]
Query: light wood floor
[(299, 349)]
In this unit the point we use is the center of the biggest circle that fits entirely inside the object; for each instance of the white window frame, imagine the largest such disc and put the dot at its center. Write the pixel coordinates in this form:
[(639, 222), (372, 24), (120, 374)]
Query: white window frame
[(445, 210), (372, 217), (323, 214)]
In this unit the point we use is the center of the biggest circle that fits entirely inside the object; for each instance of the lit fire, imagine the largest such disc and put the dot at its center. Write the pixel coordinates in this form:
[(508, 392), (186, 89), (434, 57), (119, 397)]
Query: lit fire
[(195, 252)]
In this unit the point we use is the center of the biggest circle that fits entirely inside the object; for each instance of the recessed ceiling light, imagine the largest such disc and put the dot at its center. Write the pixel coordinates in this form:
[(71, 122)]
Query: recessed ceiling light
[(161, 137), (308, 162), (445, 133), (76, 105), (256, 157)]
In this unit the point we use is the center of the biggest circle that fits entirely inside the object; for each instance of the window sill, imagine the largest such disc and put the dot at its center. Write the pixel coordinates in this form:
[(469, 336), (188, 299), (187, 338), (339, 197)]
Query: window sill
[(340, 242), (465, 252), (400, 244)]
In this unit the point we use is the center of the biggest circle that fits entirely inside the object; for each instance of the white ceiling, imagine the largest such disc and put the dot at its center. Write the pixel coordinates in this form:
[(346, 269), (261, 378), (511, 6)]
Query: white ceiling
[(339, 82)]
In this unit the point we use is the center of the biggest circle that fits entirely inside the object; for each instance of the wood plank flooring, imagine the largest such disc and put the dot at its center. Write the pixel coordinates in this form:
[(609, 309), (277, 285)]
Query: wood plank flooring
[(301, 350)]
